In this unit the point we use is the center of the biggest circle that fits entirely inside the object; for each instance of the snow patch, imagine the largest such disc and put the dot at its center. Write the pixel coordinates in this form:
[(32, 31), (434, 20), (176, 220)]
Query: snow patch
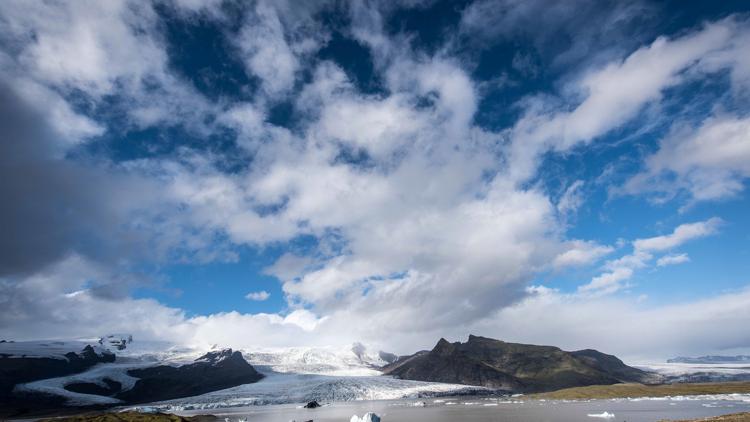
[(51, 349)]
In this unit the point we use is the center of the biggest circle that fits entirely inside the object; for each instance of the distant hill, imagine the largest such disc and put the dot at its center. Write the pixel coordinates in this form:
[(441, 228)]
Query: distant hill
[(711, 359), (514, 367)]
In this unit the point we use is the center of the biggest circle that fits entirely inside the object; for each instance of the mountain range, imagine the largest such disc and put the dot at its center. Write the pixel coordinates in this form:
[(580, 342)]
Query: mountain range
[(514, 367), (43, 376), (711, 359)]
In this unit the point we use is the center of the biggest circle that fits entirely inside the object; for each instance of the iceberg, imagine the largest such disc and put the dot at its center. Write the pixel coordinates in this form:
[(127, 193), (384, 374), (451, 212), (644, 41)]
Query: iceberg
[(367, 417), (603, 415)]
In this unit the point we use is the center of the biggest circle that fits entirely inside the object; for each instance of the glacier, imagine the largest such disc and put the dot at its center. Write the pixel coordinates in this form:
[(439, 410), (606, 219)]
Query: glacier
[(293, 375), (323, 374)]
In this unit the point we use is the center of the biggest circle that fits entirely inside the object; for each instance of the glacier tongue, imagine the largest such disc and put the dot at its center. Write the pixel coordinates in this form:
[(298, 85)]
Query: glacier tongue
[(323, 374), (293, 375), (280, 388)]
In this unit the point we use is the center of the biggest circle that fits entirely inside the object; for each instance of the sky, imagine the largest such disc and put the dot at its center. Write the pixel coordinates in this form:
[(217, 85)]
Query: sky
[(278, 173)]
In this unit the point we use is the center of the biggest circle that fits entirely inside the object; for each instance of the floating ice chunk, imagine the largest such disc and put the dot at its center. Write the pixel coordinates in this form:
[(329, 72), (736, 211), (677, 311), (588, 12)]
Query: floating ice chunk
[(603, 415), (368, 417)]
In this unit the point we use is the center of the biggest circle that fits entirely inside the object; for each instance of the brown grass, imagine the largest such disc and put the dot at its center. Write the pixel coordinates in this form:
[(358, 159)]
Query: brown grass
[(130, 417), (640, 390), (734, 417)]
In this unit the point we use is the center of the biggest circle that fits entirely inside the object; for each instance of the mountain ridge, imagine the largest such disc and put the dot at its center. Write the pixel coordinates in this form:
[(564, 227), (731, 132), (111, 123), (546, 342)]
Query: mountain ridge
[(514, 367)]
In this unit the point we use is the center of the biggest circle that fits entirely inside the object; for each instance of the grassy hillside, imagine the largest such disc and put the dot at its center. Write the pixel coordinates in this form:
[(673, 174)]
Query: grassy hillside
[(640, 390)]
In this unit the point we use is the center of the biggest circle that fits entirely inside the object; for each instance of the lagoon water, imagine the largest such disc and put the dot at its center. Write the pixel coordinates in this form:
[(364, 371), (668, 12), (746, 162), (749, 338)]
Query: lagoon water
[(494, 409)]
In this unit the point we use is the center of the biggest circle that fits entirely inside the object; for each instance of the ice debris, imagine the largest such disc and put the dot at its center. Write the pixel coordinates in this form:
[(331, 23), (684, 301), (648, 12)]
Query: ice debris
[(368, 417), (603, 415)]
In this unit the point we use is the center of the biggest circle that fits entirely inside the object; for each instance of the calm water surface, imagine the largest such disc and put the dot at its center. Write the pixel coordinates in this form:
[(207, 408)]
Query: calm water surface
[(484, 409)]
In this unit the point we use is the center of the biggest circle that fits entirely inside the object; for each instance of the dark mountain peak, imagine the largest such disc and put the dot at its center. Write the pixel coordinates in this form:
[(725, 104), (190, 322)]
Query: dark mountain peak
[(218, 356), (444, 347), (216, 370), (514, 366), (477, 339)]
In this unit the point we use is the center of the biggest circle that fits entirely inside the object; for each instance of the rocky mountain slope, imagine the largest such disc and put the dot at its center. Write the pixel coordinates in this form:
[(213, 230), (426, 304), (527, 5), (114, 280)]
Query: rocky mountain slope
[(46, 375), (514, 367), (16, 368), (213, 371)]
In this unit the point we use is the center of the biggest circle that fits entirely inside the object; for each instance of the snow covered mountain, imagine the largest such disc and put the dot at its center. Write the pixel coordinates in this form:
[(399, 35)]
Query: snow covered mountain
[(349, 361), (291, 375), (699, 372)]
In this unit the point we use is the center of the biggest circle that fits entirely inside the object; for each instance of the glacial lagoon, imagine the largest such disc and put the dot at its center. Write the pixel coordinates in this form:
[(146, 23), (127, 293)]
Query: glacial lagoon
[(494, 409)]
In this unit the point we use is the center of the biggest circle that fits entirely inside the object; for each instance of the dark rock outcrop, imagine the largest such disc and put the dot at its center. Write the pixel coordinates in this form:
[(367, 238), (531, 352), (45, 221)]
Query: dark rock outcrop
[(211, 372), (513, 367), (387, 357), (312, 405), (18, 369), (110, 387)]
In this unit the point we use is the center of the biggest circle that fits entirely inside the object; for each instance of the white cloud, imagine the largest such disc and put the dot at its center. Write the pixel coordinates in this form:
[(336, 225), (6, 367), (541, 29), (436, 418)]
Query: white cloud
[(672, 259), (612, 95), (571, 200), (268, 55), (43, 306), (710, 162), (107, 53), (426, 234), (581, 253), (623, 325), (680, 235), (258, 296), (620, 270)]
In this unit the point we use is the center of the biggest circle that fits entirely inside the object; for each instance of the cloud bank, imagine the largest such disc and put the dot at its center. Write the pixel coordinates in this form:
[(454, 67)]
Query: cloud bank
[(419, 221)]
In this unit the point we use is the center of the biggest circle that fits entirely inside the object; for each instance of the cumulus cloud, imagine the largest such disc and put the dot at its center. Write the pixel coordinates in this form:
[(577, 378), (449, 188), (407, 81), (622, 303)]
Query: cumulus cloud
[(109, 53), (581, 253), (420, 223), (51, 206), (258, 296)]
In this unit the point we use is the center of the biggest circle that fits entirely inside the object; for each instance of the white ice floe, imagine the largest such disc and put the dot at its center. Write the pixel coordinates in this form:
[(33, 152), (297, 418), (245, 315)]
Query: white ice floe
[(603, 415), (367, 417), (695, 397)]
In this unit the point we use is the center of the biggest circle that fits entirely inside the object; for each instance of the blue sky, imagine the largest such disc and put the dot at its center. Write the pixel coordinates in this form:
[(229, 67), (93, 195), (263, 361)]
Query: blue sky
[(387, 172)]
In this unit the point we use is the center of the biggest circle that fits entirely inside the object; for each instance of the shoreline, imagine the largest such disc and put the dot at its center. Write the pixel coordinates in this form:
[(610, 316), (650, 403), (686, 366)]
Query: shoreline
[(622, 391)]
